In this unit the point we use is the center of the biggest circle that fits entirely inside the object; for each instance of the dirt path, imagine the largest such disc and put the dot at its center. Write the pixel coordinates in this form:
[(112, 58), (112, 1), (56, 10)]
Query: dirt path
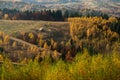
[(29, 44), (21, 41)]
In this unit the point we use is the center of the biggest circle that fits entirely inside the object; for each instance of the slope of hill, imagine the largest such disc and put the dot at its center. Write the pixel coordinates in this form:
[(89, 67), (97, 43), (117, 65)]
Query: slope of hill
[(22, 6), (111, 7)]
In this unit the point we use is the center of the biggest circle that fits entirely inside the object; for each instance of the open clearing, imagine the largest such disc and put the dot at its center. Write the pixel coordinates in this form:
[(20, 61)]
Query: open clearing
[(10, 26), (59, 31)]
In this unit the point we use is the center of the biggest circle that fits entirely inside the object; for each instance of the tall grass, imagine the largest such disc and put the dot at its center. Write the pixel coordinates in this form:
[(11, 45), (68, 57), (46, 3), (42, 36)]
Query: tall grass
[(84, 67)]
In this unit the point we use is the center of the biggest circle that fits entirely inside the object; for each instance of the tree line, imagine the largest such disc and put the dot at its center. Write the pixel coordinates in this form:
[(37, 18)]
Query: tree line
[(46, 15)]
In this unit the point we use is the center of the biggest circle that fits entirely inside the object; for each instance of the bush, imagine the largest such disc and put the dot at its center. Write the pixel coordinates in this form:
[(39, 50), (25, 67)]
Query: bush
[(84, 67)]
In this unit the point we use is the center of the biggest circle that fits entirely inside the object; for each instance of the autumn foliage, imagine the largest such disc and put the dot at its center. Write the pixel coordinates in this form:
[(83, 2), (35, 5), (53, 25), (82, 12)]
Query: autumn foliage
[(95, 33)]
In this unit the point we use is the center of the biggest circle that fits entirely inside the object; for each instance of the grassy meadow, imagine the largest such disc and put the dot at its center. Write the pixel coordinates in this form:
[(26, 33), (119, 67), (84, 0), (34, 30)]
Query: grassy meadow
[(10, 26)]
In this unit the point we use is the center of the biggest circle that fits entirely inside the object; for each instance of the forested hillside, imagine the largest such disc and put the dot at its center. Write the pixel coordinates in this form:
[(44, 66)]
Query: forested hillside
[(59, 39), (90, 52), (95, 34)]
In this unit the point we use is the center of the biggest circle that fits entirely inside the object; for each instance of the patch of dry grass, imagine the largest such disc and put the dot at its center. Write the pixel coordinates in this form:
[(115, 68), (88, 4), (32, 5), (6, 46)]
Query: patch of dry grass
[(10, 26)]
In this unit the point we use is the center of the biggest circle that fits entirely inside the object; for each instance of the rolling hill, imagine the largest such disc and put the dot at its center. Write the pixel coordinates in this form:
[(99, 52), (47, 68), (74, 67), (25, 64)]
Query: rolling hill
[(22, 6), (111, 7)]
